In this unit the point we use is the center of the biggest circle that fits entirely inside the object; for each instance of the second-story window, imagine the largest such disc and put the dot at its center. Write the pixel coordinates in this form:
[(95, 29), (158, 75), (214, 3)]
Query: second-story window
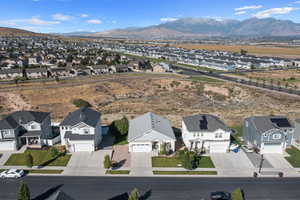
[(86, 131)]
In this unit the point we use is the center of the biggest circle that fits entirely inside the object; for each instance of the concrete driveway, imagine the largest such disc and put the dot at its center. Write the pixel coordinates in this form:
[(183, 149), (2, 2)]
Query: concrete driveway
[(87, 163), (232, 164), (141, 164)]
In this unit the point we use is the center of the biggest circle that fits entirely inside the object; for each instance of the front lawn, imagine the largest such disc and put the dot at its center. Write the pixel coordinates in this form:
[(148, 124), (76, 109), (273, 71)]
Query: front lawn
[(117, 171), (185, 173), (294, 158), (44, 171), (204, 162), (40, 158)]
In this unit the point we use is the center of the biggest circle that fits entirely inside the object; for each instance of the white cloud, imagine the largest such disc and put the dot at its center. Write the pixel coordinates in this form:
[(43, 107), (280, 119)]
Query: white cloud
[(240, 13), (94, 21), (274, 11), (297, 2), (168, 19), (61, 17), (113, 21), (37, 21), (84, 15), (254, 7)]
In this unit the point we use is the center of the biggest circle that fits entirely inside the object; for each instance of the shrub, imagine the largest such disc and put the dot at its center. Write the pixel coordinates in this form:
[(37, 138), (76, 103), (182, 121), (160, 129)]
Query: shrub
[(54, 152), (107, 162), (81, 103), (24, 193), (120, 127), (163, 149), (134, 195), (28, 160)]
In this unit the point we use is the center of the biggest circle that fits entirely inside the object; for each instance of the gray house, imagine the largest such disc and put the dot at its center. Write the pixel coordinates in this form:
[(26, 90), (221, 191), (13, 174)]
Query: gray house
[(26, 128), (297, 131), (270, 134), (81, 130)]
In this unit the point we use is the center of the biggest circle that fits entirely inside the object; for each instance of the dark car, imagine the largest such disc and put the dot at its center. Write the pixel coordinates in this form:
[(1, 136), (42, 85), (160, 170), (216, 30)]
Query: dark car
[(219, 195)]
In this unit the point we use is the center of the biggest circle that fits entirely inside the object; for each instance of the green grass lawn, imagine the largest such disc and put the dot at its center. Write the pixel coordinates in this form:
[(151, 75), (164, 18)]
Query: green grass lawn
[(205, 162), (44, 171), (237, 194), (117, 171), (40, 158), (185, 173), (294, 158)]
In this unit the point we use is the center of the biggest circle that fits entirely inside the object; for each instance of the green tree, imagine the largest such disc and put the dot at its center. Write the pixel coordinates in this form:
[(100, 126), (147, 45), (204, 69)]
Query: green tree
[(81, 103), (28, 160), (163, 149), (134, 195), (54, 152), (24, 193), (121, 126), (107, 162)]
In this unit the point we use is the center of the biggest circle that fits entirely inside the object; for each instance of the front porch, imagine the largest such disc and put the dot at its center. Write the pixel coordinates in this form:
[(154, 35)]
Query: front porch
[(32, 139)]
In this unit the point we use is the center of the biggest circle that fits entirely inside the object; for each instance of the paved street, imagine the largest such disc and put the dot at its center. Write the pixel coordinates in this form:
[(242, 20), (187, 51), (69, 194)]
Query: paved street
[(104, 188)]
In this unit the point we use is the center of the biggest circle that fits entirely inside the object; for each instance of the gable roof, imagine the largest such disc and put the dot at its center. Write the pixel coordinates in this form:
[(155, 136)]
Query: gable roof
[(204, 122), (59, 195), (147, 123), (85, 115), (13, 120), (266, 123)]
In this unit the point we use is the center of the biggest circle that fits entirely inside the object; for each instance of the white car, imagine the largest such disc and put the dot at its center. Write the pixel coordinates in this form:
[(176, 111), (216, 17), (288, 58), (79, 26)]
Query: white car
[(12, 173)]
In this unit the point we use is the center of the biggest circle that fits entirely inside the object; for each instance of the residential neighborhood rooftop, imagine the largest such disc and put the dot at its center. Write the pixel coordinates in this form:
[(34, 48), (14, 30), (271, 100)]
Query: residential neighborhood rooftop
[(85, 115)]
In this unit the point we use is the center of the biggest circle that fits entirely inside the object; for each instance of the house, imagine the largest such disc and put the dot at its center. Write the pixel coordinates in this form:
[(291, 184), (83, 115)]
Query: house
[(297, 131), (58, 195), (81, 130), (26, 128), (205, 133), (162, 67), (269, 134), (148, 132), (119, 68)]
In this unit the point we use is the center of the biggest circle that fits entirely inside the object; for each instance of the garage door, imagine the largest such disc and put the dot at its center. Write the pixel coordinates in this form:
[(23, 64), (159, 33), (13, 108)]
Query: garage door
[(141, 148), (83, 147), (271, 148), (7, 146), (218, 147)]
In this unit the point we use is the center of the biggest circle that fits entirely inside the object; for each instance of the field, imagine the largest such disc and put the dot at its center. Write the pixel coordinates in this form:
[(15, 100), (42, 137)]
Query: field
[(254, 50), (172, 96)]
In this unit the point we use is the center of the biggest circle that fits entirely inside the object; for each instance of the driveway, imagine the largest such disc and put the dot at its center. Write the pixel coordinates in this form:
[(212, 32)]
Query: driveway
[(87, 163), (232, 164), (141, 164), (256, 160)]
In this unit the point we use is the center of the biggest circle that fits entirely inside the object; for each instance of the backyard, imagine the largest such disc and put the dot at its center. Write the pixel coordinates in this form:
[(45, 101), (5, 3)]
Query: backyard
[(40, 158), (204, 162)]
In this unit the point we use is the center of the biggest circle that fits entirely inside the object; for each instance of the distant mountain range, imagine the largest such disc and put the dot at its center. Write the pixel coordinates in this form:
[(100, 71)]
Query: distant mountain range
[(202, 27)]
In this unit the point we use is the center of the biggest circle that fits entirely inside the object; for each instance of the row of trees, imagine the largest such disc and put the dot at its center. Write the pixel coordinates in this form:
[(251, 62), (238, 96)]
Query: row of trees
[(273, 83)]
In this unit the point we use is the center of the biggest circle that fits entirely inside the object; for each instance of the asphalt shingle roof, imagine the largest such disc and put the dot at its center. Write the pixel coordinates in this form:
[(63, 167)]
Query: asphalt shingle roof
[(59, 195), (266, 123), (204, 122), (147, 122), (13, 120), (86, 115)]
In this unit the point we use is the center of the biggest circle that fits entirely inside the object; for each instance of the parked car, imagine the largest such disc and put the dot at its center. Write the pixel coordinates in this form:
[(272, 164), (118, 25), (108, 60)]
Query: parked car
[(247, 149), (220, 195), (12, 173)]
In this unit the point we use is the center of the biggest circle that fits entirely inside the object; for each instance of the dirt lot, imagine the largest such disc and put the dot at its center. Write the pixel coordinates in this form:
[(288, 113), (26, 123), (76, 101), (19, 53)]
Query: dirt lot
[(171, 96), (255, 50)]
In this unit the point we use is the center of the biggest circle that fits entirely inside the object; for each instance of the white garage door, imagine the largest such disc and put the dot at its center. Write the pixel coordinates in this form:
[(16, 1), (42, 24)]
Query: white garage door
[(83, 147), (141, 147), (218, 147), (271, 148), (7, 146)]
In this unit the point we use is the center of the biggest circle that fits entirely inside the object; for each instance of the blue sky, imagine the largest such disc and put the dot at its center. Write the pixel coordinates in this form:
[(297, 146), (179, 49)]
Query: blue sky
[(100, 15)]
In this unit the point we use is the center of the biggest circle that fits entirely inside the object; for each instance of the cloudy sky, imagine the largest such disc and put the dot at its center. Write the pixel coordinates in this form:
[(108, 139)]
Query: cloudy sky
[(100, 15)]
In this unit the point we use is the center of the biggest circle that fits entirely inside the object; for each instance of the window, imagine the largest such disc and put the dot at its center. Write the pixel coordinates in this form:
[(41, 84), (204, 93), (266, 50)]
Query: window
[(33, 127), (246, 123), (277, 136), (7, 134), (194, 134), (86, 131)]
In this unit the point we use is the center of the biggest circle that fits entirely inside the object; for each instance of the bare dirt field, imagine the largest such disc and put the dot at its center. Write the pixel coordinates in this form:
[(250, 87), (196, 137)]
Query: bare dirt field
[(171, 96), (254, 50)]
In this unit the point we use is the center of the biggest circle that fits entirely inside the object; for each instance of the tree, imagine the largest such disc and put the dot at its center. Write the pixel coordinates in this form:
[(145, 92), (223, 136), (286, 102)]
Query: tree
[(81, 103), (107, 162), (134, 195), (163, 149), (28, 160), (187, 161), (24, 193), (54, 152), (121, 126)]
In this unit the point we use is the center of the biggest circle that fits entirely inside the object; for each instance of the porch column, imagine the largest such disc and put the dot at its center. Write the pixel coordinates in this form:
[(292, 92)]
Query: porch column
[(27, 141)]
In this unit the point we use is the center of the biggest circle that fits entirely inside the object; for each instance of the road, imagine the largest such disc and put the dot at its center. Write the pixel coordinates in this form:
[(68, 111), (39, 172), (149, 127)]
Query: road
[(156, 188), (192, 72)]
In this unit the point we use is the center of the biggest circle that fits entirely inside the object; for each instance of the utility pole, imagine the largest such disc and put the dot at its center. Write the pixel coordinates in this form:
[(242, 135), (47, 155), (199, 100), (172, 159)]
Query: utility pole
[(261, 163)]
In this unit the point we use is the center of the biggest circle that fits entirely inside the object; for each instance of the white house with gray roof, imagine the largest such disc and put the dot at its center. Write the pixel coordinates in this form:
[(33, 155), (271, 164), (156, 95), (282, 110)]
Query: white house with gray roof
[(81, 130), (205, 133), (270, 134), (148, 132)]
